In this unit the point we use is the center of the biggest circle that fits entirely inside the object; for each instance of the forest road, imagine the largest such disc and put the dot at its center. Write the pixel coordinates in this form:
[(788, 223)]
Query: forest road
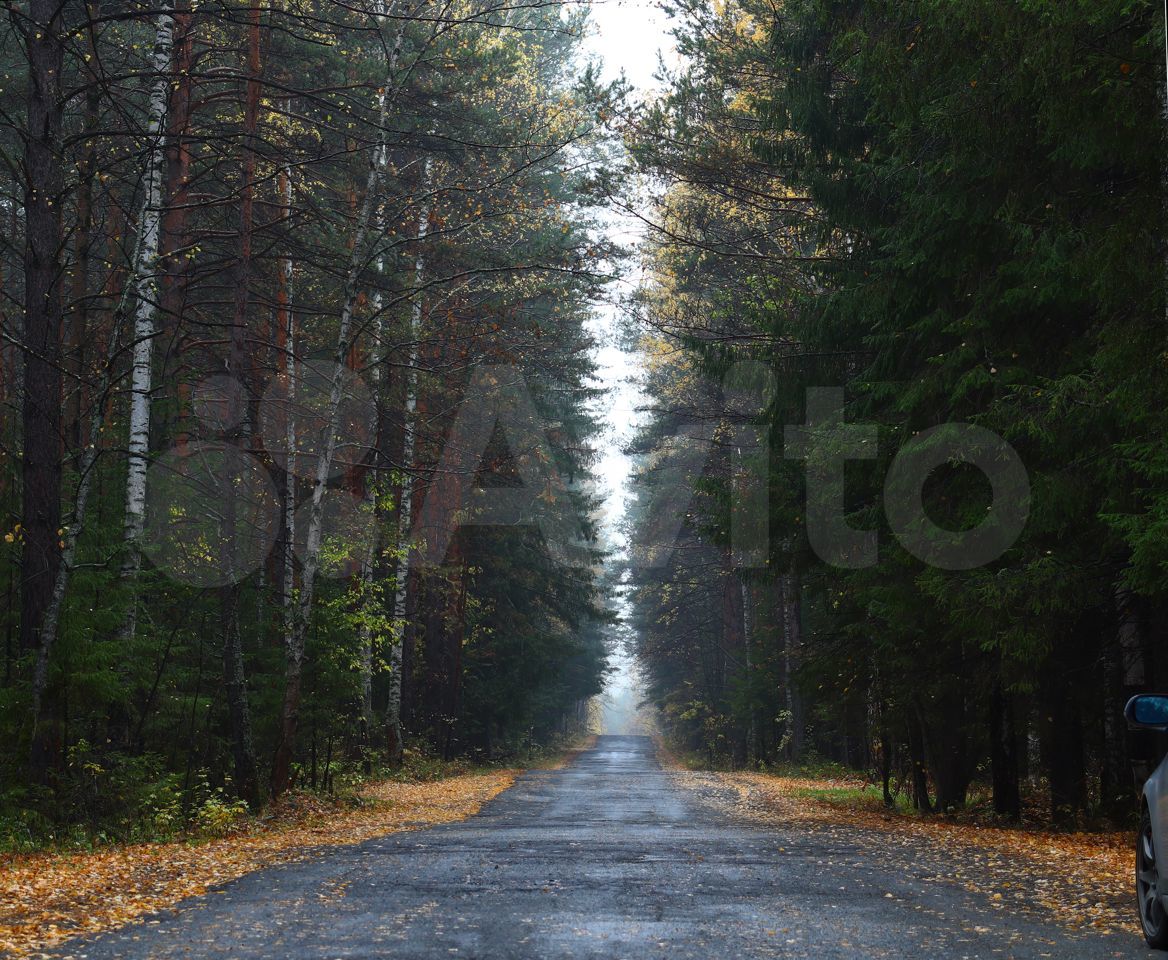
[(610, 857)]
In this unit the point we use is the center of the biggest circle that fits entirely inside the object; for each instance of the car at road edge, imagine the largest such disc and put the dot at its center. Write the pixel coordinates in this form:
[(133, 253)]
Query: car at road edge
[(1150, 712)]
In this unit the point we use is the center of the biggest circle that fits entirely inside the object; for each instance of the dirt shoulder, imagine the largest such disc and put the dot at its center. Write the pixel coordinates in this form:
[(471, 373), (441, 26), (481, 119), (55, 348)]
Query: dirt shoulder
[(1082, 880), (47, 898)]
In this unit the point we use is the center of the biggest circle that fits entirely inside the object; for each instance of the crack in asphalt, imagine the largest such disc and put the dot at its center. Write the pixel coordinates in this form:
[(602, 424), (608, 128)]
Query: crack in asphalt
[(608, 858)]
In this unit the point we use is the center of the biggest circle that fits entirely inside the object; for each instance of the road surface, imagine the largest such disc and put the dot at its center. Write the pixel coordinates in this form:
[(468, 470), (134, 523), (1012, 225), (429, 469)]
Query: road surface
[(609, 858)]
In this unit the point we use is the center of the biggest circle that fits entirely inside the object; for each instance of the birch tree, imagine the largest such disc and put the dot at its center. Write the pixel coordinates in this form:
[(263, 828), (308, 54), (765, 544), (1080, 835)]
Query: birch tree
[(393, 720), (294, 651), (146, 290)]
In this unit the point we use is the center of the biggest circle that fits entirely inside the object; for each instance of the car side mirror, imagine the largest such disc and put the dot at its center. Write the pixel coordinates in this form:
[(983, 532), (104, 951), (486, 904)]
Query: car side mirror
[(1147, 712)]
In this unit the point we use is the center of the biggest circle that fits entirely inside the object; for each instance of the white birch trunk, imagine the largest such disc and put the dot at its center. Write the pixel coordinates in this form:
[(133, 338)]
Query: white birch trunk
[(145, 283), (369, 561), (311, 558), (405, 507), (296, 637), (310, 562)]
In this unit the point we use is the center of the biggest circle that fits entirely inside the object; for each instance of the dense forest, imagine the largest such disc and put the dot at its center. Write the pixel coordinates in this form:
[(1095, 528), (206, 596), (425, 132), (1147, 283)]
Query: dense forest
[(256, 259), (300, 417), (893, 237)]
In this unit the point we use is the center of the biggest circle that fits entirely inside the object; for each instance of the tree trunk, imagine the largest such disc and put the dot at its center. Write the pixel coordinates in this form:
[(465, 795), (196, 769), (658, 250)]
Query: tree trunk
[(146, 293), (247, 784), (1003, 755), (173, 265), (1062, 751), (857, 748), (947, 747), (916, 753), (752, 740), (294, 645), (371, 565), (1115, 794), (734, 646), (1126, 674), (393, 724), (286, 370), (239, 366), (1023, 708), (455, 636), (792, 645), (294, 654), (886, 759), (41, 411), (77, 331)]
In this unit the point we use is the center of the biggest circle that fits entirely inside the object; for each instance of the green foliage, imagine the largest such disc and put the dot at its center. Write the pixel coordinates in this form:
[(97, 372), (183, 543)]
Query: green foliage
[(978, 238), (493, 130)]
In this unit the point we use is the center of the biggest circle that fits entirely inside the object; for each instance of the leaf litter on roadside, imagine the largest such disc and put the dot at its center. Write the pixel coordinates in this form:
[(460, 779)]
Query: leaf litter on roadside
[(1081, 880), (47, 898)]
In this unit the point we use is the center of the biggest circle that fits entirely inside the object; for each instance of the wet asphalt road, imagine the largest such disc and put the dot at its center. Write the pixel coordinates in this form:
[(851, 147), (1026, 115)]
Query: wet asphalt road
[(608, 858)]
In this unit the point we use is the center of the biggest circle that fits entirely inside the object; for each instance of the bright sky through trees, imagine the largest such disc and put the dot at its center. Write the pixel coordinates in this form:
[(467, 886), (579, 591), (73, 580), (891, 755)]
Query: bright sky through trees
[(630, 37)]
